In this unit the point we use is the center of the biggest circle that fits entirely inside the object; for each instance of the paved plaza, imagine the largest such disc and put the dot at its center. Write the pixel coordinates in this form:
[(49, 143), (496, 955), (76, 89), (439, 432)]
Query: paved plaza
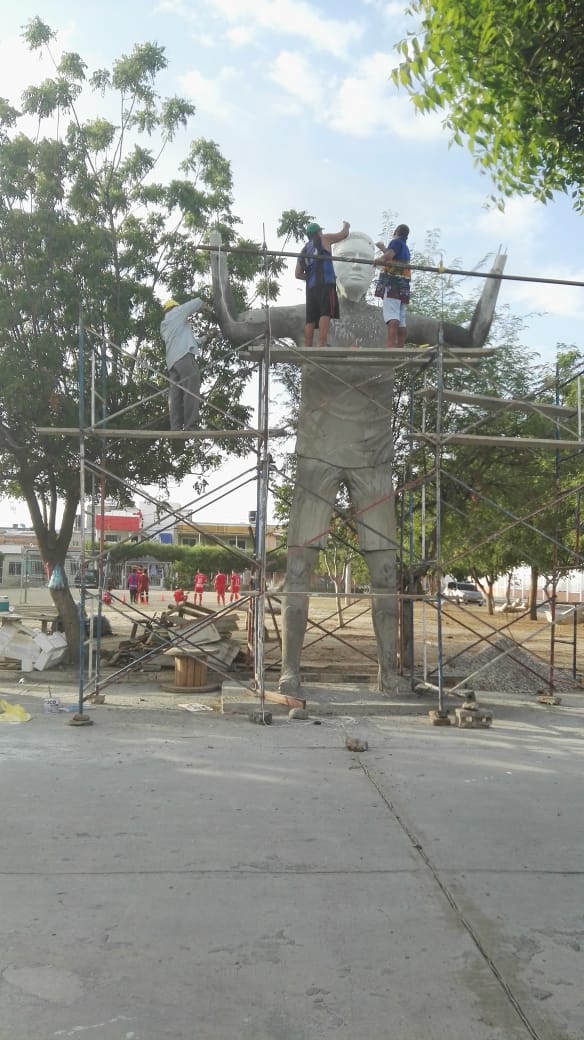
[(176, 876)]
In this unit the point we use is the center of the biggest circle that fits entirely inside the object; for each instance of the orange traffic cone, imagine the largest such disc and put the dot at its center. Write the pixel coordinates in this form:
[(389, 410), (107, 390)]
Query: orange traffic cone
[(162, 598), (123, 597)]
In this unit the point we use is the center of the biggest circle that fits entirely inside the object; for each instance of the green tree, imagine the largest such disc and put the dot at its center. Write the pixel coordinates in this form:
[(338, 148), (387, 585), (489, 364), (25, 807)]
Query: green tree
[(482, 487), (506, 505), (84, 222), (510, 78)]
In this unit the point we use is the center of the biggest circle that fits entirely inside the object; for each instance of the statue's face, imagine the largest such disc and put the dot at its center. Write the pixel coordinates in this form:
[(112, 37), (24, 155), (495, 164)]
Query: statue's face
[(353, 279)]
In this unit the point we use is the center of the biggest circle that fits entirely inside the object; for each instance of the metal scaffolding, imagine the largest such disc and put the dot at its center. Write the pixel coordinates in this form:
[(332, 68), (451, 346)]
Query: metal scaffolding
[(434, 362)]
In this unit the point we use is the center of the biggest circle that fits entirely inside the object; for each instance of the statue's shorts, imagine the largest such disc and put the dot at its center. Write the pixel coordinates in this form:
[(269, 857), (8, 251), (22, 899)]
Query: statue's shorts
[(372, 497)]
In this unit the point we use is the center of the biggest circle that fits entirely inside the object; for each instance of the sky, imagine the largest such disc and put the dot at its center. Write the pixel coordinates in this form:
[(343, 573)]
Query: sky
[(297, 96)]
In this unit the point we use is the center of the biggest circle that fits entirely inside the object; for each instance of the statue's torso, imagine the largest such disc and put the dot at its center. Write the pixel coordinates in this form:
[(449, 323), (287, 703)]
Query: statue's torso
[(345, 408)]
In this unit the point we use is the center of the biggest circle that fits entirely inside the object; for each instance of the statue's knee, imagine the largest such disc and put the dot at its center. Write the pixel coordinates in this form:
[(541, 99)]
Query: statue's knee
[(382, 568), (299, 567)]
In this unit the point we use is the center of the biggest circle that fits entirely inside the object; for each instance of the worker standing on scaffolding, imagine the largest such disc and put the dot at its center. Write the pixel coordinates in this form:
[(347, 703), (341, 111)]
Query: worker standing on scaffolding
[(393, 285), (182, 351), (315, 267)]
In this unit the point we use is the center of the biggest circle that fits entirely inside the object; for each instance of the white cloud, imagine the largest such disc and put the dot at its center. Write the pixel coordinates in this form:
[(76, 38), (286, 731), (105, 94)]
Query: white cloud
[(561, 301), (392, 11), (522, 228), (295, 75), (293, 18), (240, 35), (523, 219), (210, 95), (206, 40), (171, 7), (367, 103), (362, 104)]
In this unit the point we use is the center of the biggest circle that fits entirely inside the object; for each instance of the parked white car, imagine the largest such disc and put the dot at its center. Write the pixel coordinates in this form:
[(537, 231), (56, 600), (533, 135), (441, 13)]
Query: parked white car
[(464, 592)]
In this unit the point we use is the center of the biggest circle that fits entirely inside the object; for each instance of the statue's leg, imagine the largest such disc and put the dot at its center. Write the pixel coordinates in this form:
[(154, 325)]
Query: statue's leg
[(310, 513), (384, 610), (373, 498), (301, 562)]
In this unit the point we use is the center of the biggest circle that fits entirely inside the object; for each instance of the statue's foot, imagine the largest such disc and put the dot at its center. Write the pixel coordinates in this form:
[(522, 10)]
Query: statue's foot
[(388, 685), (290, 684)]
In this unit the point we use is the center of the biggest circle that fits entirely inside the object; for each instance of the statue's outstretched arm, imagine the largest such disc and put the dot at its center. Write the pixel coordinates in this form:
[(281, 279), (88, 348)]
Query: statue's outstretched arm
[(482, 318), (426, 330), (285, 322)]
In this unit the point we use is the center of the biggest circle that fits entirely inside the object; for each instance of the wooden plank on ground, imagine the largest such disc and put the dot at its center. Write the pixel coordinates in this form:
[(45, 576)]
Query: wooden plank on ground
[(284, 698)]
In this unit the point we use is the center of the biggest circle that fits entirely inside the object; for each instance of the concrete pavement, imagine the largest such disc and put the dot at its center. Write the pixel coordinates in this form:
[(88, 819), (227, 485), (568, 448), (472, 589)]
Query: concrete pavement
[(169, 875)]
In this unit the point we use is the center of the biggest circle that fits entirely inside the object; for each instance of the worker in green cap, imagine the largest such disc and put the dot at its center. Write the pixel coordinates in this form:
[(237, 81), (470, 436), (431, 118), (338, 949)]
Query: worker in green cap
[(315, 267)]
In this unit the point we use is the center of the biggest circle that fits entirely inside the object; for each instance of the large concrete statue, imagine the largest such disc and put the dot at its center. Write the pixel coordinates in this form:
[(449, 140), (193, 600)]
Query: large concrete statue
[(344, 437)]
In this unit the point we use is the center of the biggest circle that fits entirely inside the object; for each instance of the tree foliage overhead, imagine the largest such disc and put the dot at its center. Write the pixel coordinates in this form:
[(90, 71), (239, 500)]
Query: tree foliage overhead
[(510, 77)]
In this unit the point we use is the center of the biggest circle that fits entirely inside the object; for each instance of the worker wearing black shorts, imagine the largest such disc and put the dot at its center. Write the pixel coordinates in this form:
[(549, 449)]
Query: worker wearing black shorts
[(315, 267)]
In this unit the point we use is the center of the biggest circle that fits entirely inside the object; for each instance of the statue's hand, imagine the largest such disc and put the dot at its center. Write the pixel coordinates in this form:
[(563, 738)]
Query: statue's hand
[(218, 265)]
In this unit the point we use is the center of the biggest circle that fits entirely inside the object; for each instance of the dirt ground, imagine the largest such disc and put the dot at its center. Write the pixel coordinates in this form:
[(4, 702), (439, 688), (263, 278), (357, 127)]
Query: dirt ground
[(349, 652), (465, 630)]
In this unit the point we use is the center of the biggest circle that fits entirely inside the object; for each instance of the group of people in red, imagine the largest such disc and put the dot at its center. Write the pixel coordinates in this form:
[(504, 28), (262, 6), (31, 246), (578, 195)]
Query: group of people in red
[(220, 583), (138, 585)]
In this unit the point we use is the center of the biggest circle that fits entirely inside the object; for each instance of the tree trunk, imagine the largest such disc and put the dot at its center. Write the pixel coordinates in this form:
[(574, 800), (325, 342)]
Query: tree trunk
[(490, 597), (53, 546), (533, 593), (340, 618), (69, 618)]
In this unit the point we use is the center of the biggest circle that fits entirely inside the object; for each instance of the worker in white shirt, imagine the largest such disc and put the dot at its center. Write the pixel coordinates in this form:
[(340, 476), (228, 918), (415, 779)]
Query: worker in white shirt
[(182, 352)]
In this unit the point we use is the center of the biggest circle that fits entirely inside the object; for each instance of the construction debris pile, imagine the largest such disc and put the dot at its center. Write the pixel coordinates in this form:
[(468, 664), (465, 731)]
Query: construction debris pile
[(180, 631), (30, 646)]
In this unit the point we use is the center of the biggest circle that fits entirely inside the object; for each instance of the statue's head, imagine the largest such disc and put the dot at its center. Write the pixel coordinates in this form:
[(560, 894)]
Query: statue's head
[(353, 280)]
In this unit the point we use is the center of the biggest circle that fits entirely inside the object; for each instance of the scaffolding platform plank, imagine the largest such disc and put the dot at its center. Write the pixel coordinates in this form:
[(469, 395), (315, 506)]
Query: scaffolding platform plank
[(451, 357), (554, 411), (176, 435), (492, 441)]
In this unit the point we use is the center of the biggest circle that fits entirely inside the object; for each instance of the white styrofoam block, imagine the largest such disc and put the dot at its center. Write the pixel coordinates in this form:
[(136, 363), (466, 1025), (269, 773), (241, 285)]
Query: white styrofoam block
[(58, 640), (19, 646), (48, 659), (43, 641)]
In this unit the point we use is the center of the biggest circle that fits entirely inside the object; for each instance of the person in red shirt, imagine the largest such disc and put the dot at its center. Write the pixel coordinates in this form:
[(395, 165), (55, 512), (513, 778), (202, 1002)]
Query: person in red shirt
[(220, 584), (179, 596), (143, 586), (200, 582), (234, 586)]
